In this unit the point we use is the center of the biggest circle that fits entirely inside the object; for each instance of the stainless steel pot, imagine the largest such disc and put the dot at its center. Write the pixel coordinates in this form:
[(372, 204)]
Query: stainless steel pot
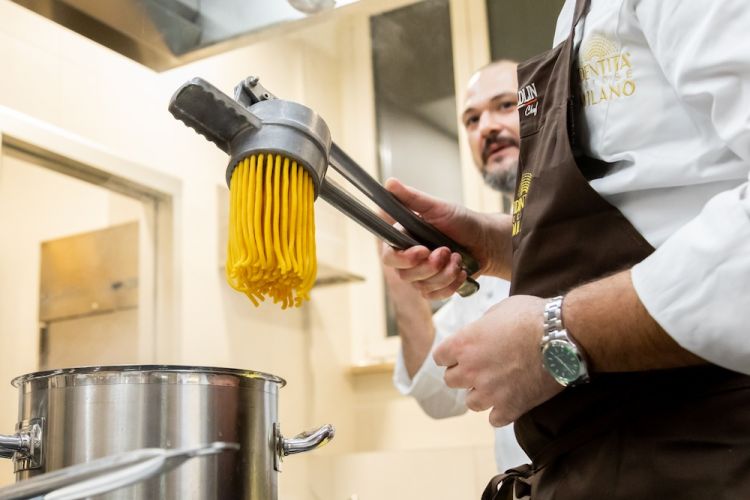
[(77, 415)]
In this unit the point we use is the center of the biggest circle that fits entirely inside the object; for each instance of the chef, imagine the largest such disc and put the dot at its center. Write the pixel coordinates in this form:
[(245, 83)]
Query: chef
[(623, 354)]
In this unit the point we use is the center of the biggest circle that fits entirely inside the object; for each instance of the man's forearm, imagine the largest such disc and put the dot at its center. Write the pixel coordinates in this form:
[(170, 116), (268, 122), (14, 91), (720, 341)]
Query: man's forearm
[(414, 325), (497, 236), (608, 320)]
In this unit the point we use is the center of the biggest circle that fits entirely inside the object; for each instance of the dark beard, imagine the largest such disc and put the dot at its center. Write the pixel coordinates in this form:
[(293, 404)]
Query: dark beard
[(503, 180)]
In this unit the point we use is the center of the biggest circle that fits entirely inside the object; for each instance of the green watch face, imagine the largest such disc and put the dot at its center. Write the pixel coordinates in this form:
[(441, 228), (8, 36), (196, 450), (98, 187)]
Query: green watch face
[(561, 359)]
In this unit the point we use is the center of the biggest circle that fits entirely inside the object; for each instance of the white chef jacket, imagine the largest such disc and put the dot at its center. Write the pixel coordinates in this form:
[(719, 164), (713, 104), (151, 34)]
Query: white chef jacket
[(666, 93), (428, 388)]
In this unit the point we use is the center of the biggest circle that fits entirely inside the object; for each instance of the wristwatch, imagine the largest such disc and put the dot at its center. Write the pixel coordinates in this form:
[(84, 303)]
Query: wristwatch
[(561, 356)]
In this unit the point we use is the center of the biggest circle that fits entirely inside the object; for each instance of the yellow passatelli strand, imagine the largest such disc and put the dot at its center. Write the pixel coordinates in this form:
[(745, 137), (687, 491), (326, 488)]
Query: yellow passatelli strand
[(312, 261), (250, 264), (248, 207), (302, 248), (267, 216), (258, 215), (232, 245), (281, 289), (276, 219), (285, 214), (293, 217), (239, 177), (311, 229), (305, 233), (300, 224), (289, 281)]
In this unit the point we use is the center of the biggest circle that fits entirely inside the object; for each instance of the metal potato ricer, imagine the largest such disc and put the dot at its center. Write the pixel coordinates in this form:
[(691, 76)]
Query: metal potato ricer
[(256, 122)]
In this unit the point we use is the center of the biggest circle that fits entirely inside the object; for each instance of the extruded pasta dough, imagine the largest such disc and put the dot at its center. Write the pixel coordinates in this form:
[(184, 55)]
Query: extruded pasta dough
[(271, 230)]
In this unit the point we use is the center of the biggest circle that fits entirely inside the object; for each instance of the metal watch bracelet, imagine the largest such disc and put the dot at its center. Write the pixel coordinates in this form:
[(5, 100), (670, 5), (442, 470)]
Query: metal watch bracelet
[(555, 333)]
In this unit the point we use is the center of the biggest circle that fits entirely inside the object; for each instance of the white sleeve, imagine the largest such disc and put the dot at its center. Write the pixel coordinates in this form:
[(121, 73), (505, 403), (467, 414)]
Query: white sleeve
[(427, 387), (697, 284)]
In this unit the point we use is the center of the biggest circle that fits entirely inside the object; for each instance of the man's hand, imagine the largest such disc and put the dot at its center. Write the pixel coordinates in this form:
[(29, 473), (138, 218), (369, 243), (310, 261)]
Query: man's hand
[(498, 359), (438, 273)]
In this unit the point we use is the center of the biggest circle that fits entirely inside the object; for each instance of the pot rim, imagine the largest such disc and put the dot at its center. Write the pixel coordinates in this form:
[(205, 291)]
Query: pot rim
[(146, 370)]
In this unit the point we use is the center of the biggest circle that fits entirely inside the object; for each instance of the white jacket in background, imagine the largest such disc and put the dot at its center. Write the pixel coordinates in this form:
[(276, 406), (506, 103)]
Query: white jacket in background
[(428, 388)]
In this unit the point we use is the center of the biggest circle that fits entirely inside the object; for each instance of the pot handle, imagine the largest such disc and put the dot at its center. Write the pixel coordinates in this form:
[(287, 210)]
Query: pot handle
[(26, 444), (302, 442), (106, 474), (307, 441), (9, 445)]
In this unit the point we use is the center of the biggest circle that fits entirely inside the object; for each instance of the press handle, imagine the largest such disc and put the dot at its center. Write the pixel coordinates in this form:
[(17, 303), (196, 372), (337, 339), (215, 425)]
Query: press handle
[(468, 287), (211, 113), (337, 197), (421, 231)]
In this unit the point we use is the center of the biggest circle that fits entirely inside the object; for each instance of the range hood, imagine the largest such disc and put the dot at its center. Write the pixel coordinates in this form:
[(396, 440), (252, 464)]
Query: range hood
[(163, 34)]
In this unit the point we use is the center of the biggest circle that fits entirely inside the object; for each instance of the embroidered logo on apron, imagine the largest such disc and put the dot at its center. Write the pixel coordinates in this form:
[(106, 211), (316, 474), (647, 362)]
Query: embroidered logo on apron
[(528, 100), (605, 70), (524, 184)]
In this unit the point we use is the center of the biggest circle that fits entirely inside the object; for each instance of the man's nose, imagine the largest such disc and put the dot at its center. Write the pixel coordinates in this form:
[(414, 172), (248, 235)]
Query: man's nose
[(489, 124)]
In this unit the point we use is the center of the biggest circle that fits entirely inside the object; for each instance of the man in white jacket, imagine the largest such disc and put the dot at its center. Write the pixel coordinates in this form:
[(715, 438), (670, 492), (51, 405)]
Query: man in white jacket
[(491, 123)]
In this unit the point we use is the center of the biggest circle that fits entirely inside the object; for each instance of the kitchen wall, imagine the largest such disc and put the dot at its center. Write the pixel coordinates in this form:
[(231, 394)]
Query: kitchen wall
[(116, 108), (61, 206)]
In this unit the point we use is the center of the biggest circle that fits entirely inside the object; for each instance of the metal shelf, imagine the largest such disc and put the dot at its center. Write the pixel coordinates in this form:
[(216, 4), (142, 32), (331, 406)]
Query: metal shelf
[(328, 276)]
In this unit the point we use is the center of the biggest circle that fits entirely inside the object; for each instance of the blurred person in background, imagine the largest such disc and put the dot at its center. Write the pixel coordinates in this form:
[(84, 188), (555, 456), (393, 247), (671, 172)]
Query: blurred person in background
[(490, 120)]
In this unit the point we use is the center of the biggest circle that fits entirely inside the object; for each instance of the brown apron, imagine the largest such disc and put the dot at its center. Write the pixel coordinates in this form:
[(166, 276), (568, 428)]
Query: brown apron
[(668, 434)]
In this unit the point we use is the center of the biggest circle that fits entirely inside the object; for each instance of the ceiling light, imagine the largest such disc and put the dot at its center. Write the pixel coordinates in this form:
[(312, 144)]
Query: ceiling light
[(312, 6)]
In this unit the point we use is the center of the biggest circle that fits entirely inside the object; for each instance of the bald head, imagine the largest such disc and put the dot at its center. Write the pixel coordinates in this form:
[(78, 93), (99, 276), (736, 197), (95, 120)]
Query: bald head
[(490, 118)]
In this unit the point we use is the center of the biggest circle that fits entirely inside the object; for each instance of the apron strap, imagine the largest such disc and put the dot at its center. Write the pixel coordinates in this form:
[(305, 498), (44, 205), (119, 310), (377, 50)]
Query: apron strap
[(515, 483), (582, 7)]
